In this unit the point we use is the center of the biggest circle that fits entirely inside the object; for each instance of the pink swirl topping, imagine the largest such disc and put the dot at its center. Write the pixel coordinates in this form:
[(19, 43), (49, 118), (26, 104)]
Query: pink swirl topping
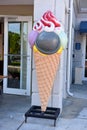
[(38, 26), (48, 16), (48, 22)]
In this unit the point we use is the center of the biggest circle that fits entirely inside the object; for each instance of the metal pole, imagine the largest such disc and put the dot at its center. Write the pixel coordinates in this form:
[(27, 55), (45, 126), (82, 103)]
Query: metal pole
[(69, 49)]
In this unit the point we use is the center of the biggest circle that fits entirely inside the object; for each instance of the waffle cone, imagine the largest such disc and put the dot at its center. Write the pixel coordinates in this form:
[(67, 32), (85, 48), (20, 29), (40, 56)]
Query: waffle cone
[(46, 68)]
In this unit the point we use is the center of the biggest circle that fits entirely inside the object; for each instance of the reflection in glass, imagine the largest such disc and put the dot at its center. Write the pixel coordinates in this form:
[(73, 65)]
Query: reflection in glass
[(17, 54), (14, 71), (14, 38), (14, 46)]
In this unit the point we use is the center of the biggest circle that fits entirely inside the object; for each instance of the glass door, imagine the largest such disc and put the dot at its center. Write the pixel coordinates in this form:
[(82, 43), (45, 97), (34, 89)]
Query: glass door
[(17, 56)]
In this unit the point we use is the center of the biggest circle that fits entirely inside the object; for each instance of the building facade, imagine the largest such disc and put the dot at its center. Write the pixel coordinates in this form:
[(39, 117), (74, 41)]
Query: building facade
[(16, 57)]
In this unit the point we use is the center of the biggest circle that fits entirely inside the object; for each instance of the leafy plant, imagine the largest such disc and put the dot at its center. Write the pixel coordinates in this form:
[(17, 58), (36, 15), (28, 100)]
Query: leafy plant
[(14, 43)]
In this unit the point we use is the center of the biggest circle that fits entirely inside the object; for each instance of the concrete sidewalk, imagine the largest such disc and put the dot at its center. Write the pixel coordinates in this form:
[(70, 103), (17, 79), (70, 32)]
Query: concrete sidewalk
[(62, 124), (73, 117), (13, 108)]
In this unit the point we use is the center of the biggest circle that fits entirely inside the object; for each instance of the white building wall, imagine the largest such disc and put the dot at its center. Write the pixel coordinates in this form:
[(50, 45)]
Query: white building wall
[(79, 55), (58, 8)]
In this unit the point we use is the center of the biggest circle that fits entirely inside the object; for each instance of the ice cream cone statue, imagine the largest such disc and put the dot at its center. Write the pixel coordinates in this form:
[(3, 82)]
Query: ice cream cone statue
[(48, 40)]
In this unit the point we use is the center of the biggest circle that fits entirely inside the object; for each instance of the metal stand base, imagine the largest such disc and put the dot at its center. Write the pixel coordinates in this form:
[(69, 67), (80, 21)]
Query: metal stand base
[(50, 113)]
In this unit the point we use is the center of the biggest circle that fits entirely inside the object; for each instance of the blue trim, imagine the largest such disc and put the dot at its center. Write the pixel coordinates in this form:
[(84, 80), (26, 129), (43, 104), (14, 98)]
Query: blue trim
[(83, 27), (78, 46)]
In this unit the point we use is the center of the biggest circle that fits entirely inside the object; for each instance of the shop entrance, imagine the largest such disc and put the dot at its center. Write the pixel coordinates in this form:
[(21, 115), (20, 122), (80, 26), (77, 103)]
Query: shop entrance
[(17, 55)]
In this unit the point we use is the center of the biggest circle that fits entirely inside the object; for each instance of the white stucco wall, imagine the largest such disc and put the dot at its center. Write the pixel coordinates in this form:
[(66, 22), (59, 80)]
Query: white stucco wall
[(58, 8), (79, 55)]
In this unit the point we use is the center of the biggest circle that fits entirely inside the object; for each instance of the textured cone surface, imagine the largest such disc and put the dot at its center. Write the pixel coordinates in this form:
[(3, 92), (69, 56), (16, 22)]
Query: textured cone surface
[(46, 68)]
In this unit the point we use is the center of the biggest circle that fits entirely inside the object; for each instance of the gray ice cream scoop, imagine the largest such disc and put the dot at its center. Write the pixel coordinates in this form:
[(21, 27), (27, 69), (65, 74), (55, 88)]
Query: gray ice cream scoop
[(48, 42)]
